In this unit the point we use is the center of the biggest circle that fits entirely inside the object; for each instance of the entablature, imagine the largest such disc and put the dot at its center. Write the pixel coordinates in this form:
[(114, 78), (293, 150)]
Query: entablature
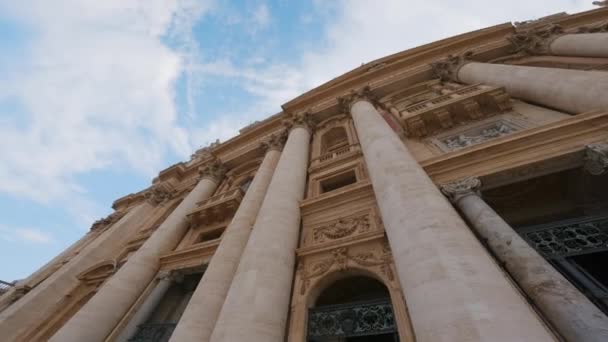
[(217, 208)]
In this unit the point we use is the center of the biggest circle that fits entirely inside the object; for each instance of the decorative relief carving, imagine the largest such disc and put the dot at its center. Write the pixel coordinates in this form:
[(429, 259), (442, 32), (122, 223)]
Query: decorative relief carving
[(476, 136), (596, 158), (446, 69), (601, 27), (536, 41), (341, 228), (104, 223), (157, 195), (461, 188), (340, 259), (345, 102), (205, 152), (18, 292), (275, 141), (214, 170), (303, 119)]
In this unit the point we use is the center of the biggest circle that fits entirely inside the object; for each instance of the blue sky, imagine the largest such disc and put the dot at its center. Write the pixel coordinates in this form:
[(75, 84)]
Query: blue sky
[(96, 97)]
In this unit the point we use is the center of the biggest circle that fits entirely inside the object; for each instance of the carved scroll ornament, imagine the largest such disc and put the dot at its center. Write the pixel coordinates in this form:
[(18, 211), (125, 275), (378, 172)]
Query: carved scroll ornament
[(341, 228), (214, 170)]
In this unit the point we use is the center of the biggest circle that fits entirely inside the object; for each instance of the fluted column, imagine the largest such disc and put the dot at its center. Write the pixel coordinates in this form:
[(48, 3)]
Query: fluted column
[(102, 312), (571, 313), (572, 91), (147, 307), (42, 300), (257, 303), (454, 290), (198, 320)]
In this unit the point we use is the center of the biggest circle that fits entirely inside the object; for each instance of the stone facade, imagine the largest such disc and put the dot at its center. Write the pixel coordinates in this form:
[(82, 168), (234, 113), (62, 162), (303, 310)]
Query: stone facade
[(451, 192)]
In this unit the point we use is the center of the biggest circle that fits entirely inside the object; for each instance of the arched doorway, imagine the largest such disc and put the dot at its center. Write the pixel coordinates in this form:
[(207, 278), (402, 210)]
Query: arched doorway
[(353, 309)]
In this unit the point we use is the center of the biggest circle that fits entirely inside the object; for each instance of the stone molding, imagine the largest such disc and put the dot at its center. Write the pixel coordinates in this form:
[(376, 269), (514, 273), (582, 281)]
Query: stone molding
[(104, 223), (275, 142), (303, 119), (536, 41), (18, 292), (214, 171), (601, 27), (461, 188), (447, 69), (340, 259), (596, 158), (346, 102)]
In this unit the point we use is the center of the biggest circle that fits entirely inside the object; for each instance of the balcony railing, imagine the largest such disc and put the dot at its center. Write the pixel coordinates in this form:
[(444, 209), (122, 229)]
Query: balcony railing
[(160, 332), (335, 154), (461, 105), (566, 238), (218, 207), (352, 319), (5, 286)]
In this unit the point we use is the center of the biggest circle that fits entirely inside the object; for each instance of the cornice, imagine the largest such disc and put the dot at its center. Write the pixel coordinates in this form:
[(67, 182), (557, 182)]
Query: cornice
[(561, 138), (337, 198)]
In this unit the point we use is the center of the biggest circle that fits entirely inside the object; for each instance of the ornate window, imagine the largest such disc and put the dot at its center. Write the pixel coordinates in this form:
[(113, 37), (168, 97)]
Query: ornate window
[(333, 140)]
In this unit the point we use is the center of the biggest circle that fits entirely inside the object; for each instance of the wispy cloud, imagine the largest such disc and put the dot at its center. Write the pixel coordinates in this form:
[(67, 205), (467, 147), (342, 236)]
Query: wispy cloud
[(26, 235), (261, 16)]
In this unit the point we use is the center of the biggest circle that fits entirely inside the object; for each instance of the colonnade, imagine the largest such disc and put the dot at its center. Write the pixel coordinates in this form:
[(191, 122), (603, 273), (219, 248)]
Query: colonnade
[(453, 288)]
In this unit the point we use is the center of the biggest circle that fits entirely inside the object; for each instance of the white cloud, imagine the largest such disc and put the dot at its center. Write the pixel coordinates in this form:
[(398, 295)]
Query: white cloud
[(96, 90), (261, 16), (26, 235)]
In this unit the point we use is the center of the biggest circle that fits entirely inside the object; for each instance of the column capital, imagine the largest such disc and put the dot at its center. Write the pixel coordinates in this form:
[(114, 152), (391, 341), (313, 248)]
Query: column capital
[(158, 194), (214, 170), (170, 276), (596, 158), (446, 69), (275, 142), (536, 40), (362, 94), (461, 188), (301, 119)]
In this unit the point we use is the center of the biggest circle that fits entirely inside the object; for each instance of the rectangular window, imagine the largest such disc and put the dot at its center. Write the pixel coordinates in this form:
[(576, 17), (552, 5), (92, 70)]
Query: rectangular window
[(338, 181)]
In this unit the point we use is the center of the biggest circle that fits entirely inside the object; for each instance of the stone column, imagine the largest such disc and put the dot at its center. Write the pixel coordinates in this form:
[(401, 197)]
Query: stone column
[(257, 303), (570, 312), (551, 40), (198, 320), (147, 307), (571, 91), (453, 288), (42, 300), (101, 313)]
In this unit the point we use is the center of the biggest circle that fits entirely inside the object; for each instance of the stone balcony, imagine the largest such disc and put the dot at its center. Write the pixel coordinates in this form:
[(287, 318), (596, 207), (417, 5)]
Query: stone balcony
[(337, 154), (443, 112), (217, 208)]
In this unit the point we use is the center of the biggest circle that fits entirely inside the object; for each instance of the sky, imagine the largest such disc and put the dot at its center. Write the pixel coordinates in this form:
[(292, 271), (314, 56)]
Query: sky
[(96, 97)]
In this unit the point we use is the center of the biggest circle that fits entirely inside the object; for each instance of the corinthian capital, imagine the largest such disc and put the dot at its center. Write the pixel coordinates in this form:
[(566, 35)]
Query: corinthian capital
[(158, 194), (446, 69), (537, 40), (347, 101), (302, 119), (596, 158), (461, 188), (214, 170), (275, 141)]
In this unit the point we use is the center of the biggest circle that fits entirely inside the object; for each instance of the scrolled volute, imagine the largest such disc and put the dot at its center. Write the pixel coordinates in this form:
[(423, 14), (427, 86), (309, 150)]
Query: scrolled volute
[(275, 141), (461, 188), (157, 195), (213, 170), (446, 69), (301, 119), (537, 40), (347, 101)]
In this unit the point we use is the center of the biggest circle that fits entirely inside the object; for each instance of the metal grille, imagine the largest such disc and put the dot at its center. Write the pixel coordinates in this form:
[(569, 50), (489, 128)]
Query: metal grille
[(566, 238), (153, 332), (5, 286), (353, 319)]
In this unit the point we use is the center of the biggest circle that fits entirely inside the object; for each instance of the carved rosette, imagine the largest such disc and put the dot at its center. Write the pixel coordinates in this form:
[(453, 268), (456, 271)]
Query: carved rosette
[(347, 101), (536, 41), (461, 188), (275, 142), (104, 223), (340, 259), (446, 69), (214, 170), (157, 195), (596, 158), (303, 120)]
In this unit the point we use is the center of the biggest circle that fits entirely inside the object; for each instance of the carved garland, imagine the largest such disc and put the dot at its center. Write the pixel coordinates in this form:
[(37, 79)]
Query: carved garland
[(339, 260), (341, 228)]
